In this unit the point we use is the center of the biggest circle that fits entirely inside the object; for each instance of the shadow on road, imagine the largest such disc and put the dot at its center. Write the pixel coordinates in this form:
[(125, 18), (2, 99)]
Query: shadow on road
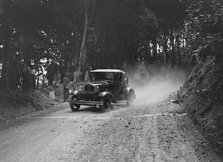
[(93, 109)]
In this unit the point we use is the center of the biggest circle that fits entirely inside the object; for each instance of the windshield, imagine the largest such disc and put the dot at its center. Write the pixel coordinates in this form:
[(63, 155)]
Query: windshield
[(106, 76), (101, 76)]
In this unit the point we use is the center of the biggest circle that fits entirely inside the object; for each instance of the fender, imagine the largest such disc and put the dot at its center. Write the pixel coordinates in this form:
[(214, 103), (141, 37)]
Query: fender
[(71, 97), (104, 94), (73, 92)]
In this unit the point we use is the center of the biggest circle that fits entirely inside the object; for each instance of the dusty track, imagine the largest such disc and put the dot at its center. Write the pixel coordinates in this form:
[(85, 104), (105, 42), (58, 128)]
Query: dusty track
[(156, 132)]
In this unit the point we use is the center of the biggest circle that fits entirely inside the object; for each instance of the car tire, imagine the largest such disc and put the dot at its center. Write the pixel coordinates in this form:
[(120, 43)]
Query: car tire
[(106, 104), (130, 99), (74, 107)]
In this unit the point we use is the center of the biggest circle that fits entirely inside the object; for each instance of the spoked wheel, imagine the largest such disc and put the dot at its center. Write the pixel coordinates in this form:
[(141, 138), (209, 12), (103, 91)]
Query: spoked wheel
[(74, 107), (106, 104), (129, 102)]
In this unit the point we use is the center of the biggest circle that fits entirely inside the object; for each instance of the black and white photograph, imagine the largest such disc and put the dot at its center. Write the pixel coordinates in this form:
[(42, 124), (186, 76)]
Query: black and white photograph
[(111, 80)]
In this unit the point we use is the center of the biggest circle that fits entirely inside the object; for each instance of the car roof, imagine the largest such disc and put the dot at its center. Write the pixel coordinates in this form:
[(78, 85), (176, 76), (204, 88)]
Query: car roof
[(107, 71)]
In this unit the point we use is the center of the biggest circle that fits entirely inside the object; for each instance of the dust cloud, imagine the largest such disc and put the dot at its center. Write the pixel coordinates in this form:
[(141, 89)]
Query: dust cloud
[(155, 83)]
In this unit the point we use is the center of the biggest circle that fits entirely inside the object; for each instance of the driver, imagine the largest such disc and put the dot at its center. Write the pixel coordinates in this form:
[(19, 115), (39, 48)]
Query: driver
[(109, 76)]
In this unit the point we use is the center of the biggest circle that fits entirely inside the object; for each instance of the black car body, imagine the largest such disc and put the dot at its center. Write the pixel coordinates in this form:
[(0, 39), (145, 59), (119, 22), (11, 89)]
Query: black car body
[(106, 86)]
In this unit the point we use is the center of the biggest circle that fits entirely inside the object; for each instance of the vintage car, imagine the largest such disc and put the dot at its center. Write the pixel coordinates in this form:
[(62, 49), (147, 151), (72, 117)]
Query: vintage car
[(106, 86)]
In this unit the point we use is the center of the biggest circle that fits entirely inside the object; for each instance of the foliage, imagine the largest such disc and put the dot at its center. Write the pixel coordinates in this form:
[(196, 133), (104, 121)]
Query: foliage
[(49, 34), (204, 27)]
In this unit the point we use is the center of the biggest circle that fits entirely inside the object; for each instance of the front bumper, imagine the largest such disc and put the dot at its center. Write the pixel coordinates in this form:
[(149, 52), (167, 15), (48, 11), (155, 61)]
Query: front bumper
[(87, 103)]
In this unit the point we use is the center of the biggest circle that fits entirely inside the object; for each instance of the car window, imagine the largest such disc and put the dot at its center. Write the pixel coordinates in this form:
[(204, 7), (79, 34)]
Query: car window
[(109, 76), (118, 77), (101, 76)]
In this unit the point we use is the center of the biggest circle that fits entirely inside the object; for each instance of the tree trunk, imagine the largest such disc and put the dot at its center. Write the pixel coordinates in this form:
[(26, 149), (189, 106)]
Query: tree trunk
[(4, 75), (5, 59), (165, 48), (149, 53), (77, 49), (82, 56), (154, 41), (10, 70), (172, 48), (178, 49)]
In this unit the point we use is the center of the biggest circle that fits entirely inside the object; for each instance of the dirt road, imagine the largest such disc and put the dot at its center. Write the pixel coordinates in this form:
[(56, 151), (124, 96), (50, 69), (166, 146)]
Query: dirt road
[(156, 132)]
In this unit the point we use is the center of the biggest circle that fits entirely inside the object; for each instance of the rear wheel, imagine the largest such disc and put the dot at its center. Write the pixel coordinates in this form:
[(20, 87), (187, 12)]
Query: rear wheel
[(130, 99), (74, 107)]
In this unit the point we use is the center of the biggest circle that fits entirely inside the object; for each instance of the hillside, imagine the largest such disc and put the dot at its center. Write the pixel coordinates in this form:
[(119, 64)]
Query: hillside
[(14, 104), (202, 96)]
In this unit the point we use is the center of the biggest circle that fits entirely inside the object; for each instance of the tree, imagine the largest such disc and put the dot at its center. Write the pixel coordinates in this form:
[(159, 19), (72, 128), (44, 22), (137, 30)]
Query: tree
[(76, 33), (82, 57), (203, 27)]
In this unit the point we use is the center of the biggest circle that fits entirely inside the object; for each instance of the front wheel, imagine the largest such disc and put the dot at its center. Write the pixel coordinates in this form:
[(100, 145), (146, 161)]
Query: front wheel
[(74, 107), (106, 104)]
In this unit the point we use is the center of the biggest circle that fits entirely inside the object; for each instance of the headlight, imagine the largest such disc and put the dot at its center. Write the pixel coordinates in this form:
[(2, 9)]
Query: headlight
[(70, 91), (81, 88), (96, 89)]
